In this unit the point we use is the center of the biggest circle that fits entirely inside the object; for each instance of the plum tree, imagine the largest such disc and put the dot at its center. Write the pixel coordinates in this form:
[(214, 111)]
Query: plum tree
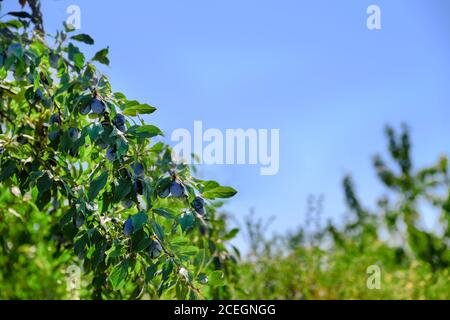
[(83, 159)]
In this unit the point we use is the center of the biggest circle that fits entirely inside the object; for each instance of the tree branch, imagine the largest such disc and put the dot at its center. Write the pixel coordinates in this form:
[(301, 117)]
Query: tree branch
[(36, 14)]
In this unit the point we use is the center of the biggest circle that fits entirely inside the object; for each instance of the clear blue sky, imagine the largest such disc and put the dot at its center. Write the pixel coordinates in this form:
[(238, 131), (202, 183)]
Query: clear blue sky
[(310, 68)]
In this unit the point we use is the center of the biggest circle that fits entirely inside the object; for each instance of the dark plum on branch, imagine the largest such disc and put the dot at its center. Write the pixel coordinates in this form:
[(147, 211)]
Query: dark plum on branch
[(176, 189), (97, 106), (128, 227)]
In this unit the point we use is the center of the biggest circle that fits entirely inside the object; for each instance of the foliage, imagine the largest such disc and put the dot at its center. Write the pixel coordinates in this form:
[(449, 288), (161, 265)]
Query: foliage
[(332, 262), (83, 183)]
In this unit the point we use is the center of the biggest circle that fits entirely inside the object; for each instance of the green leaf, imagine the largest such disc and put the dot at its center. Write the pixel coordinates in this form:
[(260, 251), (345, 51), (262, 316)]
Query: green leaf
[(67, 217), (16, 50), (81, 140), (200, 258), (115, 251), (119, 96), (20, 14), (83, 38), (167, 270), (186, 220), (231, 234), (148, 193), (8, 170), (133, 108), (157, 147), (66, 142), (219, 192), (44, 183), (140, 241), (179, 241), (166, 213), (97, 185), (80, 244), (209, 185), (145, 131), (43, 198), (102, 56), (34, 175), (139, 220), (187, 251), (16, 24), (216, 279), (159, 230), (98, 254), (121, 190), (118, 274), (150, 272), (95, 131), (76, 56), (122, 147)]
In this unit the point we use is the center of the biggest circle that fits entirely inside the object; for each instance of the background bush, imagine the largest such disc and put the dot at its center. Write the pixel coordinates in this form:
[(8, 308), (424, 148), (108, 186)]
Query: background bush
[(332, 261)]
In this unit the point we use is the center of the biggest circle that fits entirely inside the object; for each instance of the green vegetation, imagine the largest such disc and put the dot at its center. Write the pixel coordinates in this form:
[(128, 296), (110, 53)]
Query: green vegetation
[(84, 186), (332, 262)]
